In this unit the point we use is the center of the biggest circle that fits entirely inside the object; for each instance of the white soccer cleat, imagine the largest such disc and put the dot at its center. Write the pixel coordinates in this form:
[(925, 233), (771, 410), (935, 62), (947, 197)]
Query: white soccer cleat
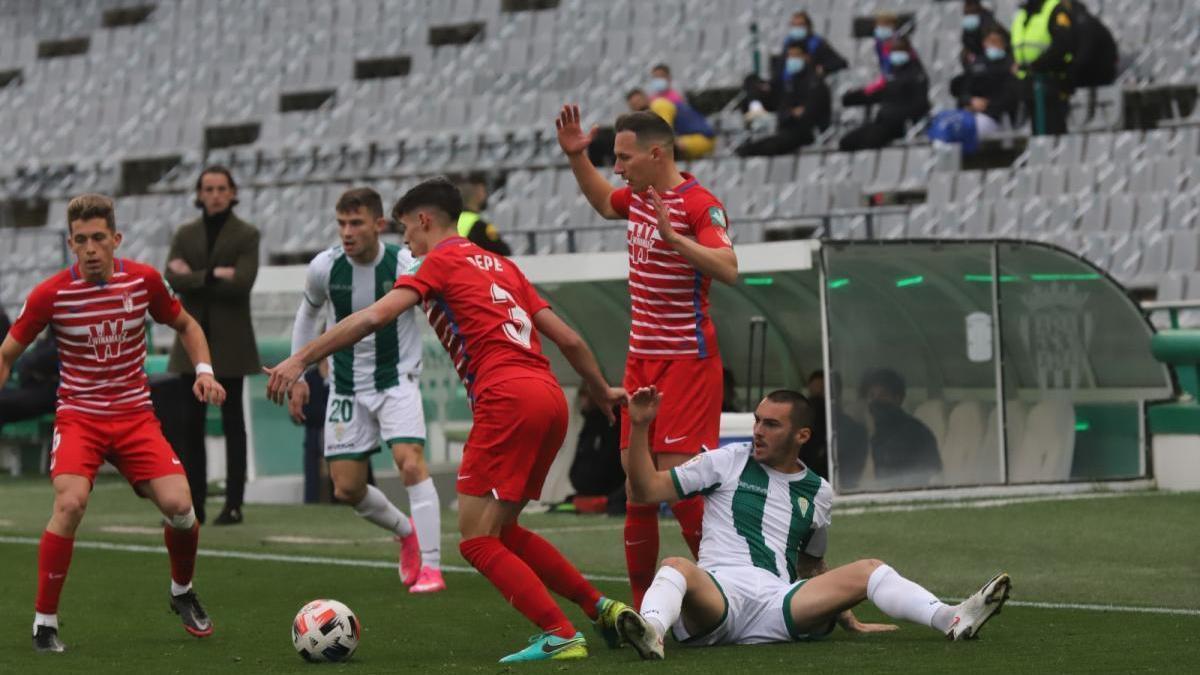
[(641, 634), (972, 613)]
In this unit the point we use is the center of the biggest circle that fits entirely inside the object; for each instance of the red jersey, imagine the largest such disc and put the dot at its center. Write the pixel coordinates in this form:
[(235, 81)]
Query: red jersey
[(101, 334), (481, 306), (669, 297)]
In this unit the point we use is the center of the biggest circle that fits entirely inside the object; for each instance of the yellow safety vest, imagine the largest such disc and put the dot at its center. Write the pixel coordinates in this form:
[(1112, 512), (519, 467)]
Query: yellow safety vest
[(1031, 37), (466, 220)]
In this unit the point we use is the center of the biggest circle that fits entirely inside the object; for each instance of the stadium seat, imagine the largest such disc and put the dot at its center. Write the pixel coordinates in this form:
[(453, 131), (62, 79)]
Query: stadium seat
[(962, 460), (932, 413), (1047, 446)]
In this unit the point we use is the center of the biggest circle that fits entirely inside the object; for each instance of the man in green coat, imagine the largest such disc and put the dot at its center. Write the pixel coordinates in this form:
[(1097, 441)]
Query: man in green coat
[(212, 265)]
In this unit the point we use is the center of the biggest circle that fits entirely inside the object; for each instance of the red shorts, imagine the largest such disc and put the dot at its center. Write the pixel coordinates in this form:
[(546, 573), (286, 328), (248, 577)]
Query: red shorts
[(133, 443), (690, 413), (518, 429)]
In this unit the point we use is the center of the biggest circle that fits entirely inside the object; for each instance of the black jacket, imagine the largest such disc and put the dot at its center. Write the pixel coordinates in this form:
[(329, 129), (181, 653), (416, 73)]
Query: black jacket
[(807, 90), (994, 81), (822, 53), (1094, 50), (903, 98), (1062, 42)]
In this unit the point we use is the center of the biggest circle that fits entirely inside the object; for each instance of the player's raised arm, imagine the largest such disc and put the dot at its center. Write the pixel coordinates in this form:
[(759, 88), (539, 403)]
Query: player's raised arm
[(574, 143), (347, 331), (647, 484), (716, 263)]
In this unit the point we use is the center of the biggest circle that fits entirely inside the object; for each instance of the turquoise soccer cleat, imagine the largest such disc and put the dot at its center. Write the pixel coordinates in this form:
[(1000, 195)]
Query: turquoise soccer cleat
[(548, 647)]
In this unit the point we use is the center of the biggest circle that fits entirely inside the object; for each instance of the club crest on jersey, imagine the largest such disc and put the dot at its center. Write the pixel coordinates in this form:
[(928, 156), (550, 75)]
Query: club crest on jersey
[(802, 504), (106, 338), (717, 215)]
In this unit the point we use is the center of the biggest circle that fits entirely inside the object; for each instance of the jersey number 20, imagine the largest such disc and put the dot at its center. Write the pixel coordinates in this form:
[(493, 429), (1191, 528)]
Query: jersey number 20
[(520, 327)]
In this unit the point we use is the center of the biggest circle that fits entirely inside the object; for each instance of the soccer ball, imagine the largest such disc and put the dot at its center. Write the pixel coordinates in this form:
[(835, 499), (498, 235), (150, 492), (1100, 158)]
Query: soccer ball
[(325, 630)]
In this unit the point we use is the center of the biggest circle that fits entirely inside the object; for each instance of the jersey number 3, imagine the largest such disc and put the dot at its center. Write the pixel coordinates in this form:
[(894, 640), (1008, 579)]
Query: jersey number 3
[(519, 328)]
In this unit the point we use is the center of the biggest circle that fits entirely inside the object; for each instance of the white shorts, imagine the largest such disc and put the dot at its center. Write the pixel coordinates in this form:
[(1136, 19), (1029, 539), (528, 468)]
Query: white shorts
[(757, 610), (355, 425)]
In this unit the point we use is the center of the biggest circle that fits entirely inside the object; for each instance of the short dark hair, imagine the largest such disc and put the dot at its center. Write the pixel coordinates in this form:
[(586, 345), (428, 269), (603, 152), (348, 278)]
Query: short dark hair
[(802, 413), (890, 380), (648, 127), (634, 92), (817, 375), (91, 205), (216, 168), (360, 198), (663, 67), (803, 15), (996, 30), (437, 192), (799, 46)]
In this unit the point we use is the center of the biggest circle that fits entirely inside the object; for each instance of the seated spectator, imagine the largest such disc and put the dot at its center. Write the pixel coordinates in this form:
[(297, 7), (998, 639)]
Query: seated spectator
[(849, 435), (989, 98), (471, 223), (902, 97), (803, 107), (977, 22), (600, 150), (37, 383), (694, 136), (903, 449), (825, 59), (887, 26)]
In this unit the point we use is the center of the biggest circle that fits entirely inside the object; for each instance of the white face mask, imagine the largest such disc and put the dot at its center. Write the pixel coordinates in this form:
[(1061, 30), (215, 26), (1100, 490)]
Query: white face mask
[(657, 85), (884, 32), (898, 58)]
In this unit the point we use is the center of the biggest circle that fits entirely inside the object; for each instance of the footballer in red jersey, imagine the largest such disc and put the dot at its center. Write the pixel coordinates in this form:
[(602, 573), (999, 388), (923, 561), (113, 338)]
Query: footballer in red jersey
[(678, 243), (490, 319), (97, 310)]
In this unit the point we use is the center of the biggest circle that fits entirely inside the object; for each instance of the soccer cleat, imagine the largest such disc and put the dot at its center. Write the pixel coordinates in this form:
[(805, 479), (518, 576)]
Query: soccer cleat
[(229, 516), (642, 635), (191, 612), (410, 556), (45, 640), (550, 647), (428, 581), (972, 613), (606, 623)]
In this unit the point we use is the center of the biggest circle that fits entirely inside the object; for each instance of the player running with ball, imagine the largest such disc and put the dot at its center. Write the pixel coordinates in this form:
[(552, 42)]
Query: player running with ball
[(485, 312), (97, 309)]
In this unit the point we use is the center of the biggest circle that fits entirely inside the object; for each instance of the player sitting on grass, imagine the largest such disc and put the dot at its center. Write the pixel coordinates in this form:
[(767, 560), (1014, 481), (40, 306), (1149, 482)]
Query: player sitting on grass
[(98, 309), (761, 575), (485, 312)]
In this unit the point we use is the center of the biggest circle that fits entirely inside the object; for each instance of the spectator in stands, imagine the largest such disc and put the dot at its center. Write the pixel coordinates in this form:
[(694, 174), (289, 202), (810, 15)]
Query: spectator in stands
[(903, 450), (887, 26), (990, 90), (1095, 55), (212, 264), (977, 22), (471, 223), (600, 151), (694, 136), (1042, 41), (37, 381), (803, 107), (902, 97), (761, 95)]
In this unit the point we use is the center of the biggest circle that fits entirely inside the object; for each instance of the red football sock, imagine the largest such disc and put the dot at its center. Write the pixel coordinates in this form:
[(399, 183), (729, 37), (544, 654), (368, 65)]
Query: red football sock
[(690, 514), (181, 549), (54, 557), (551, 567), (641, 548), (517, 583)]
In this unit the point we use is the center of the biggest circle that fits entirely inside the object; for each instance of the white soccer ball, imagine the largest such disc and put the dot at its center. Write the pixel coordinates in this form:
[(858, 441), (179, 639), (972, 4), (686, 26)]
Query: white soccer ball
[(325, 630)]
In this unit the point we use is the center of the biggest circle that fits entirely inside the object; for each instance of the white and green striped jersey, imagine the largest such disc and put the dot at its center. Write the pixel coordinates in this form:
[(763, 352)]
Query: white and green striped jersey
[(379, 360), (755, 516)]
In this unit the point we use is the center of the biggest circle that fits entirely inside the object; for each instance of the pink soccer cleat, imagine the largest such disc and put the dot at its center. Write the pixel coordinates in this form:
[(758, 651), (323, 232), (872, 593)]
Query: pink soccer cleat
[(410, 556), (430, 581)]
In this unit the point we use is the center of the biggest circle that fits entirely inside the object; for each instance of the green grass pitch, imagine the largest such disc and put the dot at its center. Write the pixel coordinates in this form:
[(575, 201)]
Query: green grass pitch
[(1127, 551)]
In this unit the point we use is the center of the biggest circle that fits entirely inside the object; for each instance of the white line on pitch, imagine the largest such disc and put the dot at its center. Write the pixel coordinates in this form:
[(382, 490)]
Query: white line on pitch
[(387, 564)]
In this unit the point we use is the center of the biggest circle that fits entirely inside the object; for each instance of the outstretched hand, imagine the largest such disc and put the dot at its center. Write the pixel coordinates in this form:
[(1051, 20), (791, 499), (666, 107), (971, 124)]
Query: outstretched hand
[(643, 405), (571, 137)]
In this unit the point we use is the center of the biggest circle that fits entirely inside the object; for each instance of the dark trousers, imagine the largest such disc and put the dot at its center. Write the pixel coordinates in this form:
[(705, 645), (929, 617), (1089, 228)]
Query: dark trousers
[(869, 136), (195, 457), (1048, 103), (786, 140), (25, 403)]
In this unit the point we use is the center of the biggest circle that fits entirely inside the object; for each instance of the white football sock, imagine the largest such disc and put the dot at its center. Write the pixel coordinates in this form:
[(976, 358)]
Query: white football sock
[(664, 599), (900, 598), (427, 516), (40, 619), (179, 589), (376, 508)]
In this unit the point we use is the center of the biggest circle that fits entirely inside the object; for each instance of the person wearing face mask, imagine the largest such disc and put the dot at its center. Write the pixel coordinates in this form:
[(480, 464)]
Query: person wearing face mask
[(903, 450), (804, 107), (694, 136), (1042, 39), (902, 97), (977, 22), (991, 91), (887, 25), (761, 95)]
